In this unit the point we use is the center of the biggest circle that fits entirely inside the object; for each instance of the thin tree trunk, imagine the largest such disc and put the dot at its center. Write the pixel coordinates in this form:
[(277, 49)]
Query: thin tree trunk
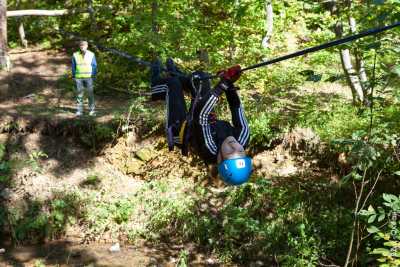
[(92, 16), (352, 77), (269, 23), (232, 44), (154, 11), (203, 56), (21, 32), (360, 65), (154, 27), (4, 59), (351, 74)]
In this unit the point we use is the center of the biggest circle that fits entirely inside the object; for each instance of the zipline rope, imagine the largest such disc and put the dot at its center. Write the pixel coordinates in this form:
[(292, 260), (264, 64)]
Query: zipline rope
[(258, 65), (111, 50), (318, 47), (324, 46), (118, 52)]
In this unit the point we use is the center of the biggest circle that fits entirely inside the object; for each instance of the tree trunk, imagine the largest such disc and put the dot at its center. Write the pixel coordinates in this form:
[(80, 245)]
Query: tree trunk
[(269, 23), (350, 72), (203, 57), (361, 70), (21, 32), (154, 11), (352, 77), (21, 29), (4, 59), (93, 26), (154, 29), (360, 65)]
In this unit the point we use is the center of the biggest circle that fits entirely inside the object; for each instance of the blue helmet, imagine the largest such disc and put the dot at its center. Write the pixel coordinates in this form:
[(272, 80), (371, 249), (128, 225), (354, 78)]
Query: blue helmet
[(235, 171)]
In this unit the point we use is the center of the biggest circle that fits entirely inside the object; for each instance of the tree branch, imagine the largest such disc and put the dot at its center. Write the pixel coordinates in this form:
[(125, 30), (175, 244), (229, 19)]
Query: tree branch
[(40, 12)]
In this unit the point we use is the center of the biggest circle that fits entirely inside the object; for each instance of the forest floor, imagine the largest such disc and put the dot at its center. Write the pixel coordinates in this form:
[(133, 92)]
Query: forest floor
[(39, 129)]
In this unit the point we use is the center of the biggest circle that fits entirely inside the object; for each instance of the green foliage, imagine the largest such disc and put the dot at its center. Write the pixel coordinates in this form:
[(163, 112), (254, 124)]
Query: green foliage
[(94, 134), (41, 220), (146, 119), (39, 263), (122, 212), (183, 258), (167, 208), (262, 132), (255, 221), (336, 118), (384, 225), (153, 211), (5, 168), (92, 180), (258, 221), (296, 225), (2, 151), (34, 160)]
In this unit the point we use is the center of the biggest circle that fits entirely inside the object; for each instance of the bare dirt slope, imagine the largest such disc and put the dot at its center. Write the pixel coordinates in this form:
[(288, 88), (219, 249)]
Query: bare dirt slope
[(39, 84), (36, 96), (37, 125)]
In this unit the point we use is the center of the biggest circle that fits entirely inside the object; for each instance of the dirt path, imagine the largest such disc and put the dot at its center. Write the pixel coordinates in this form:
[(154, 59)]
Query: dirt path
[(64, 253), (39, 85)]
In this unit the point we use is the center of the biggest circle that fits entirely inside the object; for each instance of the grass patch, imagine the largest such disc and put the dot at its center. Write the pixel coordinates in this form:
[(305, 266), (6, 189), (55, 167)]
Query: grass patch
[(296, 223), (37, 221)]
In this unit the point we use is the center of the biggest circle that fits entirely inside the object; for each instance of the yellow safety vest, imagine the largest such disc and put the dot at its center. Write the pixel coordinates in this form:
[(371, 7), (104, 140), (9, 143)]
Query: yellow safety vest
[(83, 65)]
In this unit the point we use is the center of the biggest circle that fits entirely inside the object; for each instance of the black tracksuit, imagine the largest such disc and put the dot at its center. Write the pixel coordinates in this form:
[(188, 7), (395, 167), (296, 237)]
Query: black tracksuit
[(206, 133)]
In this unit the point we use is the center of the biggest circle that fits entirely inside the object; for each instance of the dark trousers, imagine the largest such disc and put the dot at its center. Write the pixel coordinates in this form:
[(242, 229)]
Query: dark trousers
[(171, 90)]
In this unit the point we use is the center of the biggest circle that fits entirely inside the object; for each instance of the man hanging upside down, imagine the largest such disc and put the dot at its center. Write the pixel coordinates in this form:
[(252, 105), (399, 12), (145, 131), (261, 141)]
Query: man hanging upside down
[(215, 141)]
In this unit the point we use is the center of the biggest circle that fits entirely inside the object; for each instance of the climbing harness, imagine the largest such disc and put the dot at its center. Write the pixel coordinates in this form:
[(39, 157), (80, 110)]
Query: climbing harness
[(185, 131), (193, 104)]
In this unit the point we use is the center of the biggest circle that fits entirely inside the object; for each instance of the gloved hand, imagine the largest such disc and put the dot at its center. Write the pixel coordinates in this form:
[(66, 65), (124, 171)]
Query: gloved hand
[(232, 74), (228, 77)]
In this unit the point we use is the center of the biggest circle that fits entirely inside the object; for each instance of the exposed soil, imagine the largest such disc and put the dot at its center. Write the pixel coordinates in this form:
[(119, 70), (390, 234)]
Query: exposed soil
[(65, 253), (37, 114), (38, 85)]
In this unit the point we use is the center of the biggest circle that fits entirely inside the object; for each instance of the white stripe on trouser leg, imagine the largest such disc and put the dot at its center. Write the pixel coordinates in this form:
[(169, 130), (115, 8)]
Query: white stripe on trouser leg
[(244, 134), (205, 125), (245, 128), (159, 87), (209, 128), (167, 110), (158, 91)]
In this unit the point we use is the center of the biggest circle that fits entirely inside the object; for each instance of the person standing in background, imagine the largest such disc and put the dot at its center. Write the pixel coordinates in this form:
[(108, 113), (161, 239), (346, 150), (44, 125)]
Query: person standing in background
[(84, 70)]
